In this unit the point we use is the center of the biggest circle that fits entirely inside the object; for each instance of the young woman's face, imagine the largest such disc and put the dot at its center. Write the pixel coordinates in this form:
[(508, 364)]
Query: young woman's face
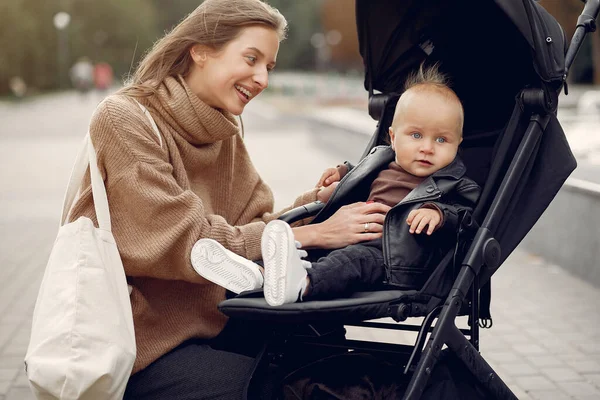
[(230, 78)]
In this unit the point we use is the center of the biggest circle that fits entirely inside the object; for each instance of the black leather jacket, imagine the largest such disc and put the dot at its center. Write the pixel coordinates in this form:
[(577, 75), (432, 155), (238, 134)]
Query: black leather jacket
[(409, 258)]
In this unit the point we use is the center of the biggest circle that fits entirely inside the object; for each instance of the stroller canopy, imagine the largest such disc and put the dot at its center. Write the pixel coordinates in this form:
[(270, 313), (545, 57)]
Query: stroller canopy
[(396, 34)]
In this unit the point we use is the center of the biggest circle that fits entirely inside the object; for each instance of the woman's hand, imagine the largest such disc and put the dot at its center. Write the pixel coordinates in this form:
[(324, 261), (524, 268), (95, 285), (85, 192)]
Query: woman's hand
[(351, 224), (324, 194)]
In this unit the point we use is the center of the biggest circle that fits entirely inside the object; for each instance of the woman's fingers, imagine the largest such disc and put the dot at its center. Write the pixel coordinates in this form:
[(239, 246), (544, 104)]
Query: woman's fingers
[(375, 207), (373, 218), (375, 227)]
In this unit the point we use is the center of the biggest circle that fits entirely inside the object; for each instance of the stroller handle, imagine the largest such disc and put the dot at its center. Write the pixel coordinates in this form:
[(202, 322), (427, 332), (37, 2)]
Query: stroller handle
[(585, 23)]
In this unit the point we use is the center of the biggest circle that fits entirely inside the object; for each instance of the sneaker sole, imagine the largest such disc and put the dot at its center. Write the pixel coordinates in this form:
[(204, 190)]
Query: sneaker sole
[(275, 255), (212, 261)]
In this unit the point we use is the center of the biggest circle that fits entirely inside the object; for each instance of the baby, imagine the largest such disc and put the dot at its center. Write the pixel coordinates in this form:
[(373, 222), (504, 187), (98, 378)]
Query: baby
[(423, 181)]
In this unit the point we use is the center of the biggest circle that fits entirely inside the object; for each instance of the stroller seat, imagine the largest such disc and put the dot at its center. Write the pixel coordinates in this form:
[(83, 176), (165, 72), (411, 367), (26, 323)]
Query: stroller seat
[(357, 307)]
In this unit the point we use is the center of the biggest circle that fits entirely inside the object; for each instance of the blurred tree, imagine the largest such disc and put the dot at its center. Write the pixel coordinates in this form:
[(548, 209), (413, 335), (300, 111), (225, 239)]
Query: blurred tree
[(28, 43), (339, 17), (113, 31), (118, 32), (102, 30), (172, 12), (303, 17)]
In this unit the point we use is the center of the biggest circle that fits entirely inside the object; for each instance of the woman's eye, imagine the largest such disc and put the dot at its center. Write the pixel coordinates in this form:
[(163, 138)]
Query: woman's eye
[(441, 140), (416, 135), (252, 59)]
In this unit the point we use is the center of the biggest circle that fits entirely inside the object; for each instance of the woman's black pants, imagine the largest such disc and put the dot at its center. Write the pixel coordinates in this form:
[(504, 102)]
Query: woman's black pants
[(219, 368)]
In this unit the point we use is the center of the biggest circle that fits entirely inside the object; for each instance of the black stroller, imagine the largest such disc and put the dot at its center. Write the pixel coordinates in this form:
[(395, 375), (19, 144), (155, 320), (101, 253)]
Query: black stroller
[(508, 61)]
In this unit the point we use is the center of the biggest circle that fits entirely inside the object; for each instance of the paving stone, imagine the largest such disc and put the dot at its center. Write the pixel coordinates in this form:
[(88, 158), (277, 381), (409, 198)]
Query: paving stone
[(8, 374), (530, 349), (18, 349), (519, 369), (574, 355), (4, 387), (585, 366), (519, 392), (540, 333), (589, 347), (21, 380), (11, 362), (20, 394), (518, 338), (579, 389), (593, 378), (562, 374), (502, 357), (535, 382), (544, 361), (548, 395)]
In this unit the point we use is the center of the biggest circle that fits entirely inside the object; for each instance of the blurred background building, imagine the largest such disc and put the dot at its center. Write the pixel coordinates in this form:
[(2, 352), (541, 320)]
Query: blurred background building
[(40, 41)]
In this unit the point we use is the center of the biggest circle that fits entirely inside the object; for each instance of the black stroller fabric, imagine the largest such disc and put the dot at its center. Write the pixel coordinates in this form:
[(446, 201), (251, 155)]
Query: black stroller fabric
[(359, 376)]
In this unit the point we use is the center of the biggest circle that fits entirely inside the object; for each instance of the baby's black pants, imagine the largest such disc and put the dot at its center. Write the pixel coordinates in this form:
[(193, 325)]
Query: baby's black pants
[(350, 269)]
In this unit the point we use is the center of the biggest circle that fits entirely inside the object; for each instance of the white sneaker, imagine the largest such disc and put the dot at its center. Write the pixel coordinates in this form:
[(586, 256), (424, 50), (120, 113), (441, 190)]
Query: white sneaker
[(285, 273), (225, 268)]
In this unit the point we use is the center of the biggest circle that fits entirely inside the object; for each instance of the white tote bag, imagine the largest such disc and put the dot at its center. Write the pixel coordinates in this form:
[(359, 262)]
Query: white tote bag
[(82, 342)]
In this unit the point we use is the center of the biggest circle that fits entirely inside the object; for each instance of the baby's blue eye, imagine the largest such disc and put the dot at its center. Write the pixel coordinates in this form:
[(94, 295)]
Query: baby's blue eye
[(416, 135), (441, 140)]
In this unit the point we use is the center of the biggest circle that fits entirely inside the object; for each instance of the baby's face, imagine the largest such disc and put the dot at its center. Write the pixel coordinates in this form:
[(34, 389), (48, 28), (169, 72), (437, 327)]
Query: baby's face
[(426, 133)]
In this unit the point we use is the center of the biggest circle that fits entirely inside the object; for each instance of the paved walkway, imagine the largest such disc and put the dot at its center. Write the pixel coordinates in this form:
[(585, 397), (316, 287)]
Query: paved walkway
[(546, 322)]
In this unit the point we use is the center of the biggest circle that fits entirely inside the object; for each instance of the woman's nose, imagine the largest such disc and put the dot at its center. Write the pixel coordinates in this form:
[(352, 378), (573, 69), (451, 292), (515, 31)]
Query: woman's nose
[(262, 79)]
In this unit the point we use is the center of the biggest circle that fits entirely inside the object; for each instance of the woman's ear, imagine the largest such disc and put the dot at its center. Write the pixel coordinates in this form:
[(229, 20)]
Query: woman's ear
[(198, 54)]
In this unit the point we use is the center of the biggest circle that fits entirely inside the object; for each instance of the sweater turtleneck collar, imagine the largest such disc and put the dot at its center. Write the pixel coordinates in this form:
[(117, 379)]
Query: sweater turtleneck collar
[(193, 119)]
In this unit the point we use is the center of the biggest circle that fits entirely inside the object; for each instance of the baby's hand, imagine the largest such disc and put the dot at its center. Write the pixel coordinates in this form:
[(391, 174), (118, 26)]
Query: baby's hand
[(420, 218), (324, 194), (328, 177)]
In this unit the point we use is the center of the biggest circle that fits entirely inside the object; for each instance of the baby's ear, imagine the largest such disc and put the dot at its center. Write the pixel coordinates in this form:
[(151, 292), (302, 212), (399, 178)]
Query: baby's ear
[(391, 133)]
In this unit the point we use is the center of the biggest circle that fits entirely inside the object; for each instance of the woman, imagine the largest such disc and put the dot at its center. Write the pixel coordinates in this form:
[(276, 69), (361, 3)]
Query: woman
[(195, 181)]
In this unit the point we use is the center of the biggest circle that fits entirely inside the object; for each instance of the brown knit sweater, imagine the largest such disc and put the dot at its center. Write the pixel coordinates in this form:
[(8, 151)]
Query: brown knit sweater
[(201, 183)]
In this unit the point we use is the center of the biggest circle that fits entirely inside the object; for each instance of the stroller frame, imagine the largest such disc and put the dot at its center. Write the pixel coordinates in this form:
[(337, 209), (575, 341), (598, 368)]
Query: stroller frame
[(482, 259)]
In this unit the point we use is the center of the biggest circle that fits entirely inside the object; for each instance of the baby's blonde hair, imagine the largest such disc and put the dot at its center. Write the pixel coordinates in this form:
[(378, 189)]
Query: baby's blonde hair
[(431, 79)]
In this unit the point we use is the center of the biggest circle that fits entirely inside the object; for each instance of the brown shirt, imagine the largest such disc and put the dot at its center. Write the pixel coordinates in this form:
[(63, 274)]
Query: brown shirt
[(392, 185), (162, 199)]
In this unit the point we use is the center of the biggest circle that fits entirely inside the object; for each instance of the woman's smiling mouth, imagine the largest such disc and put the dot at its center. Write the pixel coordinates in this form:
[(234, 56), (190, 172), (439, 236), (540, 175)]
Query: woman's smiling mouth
[(244, 92)]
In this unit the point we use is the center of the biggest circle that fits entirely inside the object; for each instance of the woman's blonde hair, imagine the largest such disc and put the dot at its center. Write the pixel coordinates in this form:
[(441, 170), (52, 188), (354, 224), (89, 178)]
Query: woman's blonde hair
[(214, 24)]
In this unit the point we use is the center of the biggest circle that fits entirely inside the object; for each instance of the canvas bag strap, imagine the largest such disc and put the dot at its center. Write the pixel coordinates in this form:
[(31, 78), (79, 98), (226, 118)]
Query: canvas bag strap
[(154, 127), (85, 157)]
